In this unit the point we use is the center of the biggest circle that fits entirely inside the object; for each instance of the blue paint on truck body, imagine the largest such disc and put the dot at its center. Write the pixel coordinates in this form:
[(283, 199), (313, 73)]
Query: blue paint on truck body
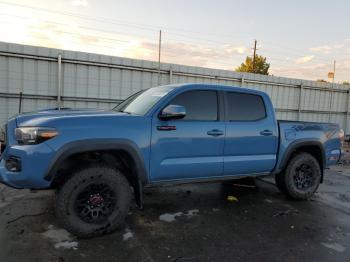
[(167, 150)]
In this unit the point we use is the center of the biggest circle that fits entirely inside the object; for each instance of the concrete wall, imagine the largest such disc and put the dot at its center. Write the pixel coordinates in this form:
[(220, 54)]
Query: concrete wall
[(98, 81)]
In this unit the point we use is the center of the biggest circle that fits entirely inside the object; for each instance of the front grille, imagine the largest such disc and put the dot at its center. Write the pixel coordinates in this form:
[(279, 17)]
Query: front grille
[(2, 139)]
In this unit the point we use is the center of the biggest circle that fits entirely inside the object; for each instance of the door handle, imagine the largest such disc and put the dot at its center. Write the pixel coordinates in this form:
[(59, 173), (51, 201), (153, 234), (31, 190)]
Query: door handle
[(215, 132), (266, 132), (166, 128)]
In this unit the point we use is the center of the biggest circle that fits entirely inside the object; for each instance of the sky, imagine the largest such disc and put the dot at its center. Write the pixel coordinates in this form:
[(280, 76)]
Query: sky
[(300, 39)]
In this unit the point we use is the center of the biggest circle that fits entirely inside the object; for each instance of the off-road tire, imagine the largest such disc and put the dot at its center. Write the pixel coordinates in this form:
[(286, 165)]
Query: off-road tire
[(67, 195), (286, 180)]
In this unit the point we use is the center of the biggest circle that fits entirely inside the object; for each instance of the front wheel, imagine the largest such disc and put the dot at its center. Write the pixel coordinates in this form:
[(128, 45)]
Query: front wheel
[(94, 201), (301, 177)]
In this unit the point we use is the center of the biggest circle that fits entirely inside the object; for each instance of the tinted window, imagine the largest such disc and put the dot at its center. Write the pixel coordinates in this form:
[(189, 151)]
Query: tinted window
[(245, 107), (200, 105)]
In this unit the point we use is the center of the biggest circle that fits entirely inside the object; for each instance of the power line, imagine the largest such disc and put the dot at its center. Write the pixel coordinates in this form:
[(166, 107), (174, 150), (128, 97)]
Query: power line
[(142, 27), (119, 40), (118, 22), (151, 28), (76, 15), (121, 32), (103, 19), (80, 26)]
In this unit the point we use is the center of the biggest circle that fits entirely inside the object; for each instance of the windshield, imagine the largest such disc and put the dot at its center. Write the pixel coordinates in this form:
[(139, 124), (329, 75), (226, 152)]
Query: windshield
[(140, 103)]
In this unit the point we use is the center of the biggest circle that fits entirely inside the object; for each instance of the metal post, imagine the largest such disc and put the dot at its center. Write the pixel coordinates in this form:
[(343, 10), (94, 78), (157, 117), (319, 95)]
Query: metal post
[(170, 76), (59, 61), (330, 105), (331, 96), (347, 112), (20, 102), (300, 100), (242, 81)]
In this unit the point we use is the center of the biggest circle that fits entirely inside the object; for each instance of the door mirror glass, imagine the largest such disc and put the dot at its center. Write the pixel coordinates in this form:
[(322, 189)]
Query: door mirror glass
[(173, 112)]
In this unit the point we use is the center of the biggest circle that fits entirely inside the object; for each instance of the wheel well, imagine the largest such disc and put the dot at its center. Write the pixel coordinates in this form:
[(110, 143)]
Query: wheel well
[(119, 159), (313, 150)]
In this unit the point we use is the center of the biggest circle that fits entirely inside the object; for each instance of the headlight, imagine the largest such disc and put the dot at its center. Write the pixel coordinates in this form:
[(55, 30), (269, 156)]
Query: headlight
[(34, 135)]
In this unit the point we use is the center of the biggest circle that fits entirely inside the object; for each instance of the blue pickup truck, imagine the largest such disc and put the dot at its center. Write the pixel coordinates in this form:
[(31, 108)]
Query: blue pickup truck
[(97, 160)]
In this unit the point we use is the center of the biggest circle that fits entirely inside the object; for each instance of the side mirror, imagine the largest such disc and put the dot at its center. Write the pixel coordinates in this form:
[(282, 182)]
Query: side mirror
[(173, 112)]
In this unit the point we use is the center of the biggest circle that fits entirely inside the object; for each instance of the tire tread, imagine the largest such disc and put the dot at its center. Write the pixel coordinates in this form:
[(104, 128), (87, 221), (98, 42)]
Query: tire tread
[(81, 175)]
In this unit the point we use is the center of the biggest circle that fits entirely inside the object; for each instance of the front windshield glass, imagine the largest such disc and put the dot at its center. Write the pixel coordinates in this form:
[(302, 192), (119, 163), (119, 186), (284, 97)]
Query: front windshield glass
[(143, 101)]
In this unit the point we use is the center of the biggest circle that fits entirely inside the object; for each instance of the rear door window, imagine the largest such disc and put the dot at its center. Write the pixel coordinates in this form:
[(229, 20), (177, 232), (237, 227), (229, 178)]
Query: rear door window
[(245, 107)]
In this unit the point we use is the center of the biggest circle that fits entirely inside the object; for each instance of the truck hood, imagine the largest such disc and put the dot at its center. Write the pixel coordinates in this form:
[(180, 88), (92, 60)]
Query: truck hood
[(29, 119)]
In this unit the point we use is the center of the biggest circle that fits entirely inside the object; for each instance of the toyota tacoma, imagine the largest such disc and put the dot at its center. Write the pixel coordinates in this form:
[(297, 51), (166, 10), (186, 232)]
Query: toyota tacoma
[(98, 161)]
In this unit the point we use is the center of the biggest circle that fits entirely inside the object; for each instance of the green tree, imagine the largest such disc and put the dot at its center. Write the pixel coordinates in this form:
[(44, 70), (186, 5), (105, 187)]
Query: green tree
[(346, 83), (260, 67), (321, 81)]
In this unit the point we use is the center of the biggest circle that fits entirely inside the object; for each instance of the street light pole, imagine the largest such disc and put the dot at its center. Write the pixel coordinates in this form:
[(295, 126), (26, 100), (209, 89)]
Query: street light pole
[(159, 53)]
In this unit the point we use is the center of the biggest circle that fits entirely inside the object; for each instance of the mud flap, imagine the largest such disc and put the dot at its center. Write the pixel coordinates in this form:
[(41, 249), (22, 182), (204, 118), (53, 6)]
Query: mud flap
[(139, 194)]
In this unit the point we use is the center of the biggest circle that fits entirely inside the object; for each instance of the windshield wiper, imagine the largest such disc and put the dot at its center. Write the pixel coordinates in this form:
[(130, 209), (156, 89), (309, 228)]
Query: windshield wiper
[(126, 112)]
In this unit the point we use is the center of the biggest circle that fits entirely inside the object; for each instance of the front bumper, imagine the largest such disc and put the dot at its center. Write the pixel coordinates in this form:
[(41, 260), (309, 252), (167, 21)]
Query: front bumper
[(35, 160)]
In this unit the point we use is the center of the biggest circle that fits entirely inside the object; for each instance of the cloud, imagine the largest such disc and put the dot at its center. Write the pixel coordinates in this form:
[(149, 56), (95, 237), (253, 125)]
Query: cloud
[(235, 49), (314, 71), (337, 46), (68, 34), (223, 57), (326, 49), (304, 59), (83, 3), (176, 53)]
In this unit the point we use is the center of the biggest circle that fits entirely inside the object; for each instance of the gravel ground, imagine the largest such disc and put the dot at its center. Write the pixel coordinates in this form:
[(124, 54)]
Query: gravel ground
[(191, 223)]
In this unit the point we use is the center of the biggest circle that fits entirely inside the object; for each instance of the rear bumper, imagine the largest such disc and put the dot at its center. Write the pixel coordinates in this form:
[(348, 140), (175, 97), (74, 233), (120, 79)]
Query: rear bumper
[(334, 156)]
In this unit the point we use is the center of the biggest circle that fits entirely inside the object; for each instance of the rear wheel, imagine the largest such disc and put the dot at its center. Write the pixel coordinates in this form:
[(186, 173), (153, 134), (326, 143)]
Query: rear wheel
[(94, 201), (301, 177)]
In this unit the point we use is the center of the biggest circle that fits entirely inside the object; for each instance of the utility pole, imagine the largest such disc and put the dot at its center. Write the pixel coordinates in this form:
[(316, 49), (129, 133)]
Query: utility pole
[(159, 52), (334, 71), (254, 56), (331, 95)]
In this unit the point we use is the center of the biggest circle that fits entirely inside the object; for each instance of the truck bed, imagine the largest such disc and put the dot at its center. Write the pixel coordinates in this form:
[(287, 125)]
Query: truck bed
[(325, 134)]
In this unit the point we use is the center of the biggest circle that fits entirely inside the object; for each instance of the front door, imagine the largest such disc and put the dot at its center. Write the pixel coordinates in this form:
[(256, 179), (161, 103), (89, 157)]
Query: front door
[(192, 147)]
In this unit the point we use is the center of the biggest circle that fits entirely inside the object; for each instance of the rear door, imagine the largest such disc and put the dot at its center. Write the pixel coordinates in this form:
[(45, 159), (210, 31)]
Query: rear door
[(251, 134), (191, 147)]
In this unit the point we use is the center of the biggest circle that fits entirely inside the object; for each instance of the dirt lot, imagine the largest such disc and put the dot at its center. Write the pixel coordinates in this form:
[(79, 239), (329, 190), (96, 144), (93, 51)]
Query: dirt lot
[(191, 223)]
